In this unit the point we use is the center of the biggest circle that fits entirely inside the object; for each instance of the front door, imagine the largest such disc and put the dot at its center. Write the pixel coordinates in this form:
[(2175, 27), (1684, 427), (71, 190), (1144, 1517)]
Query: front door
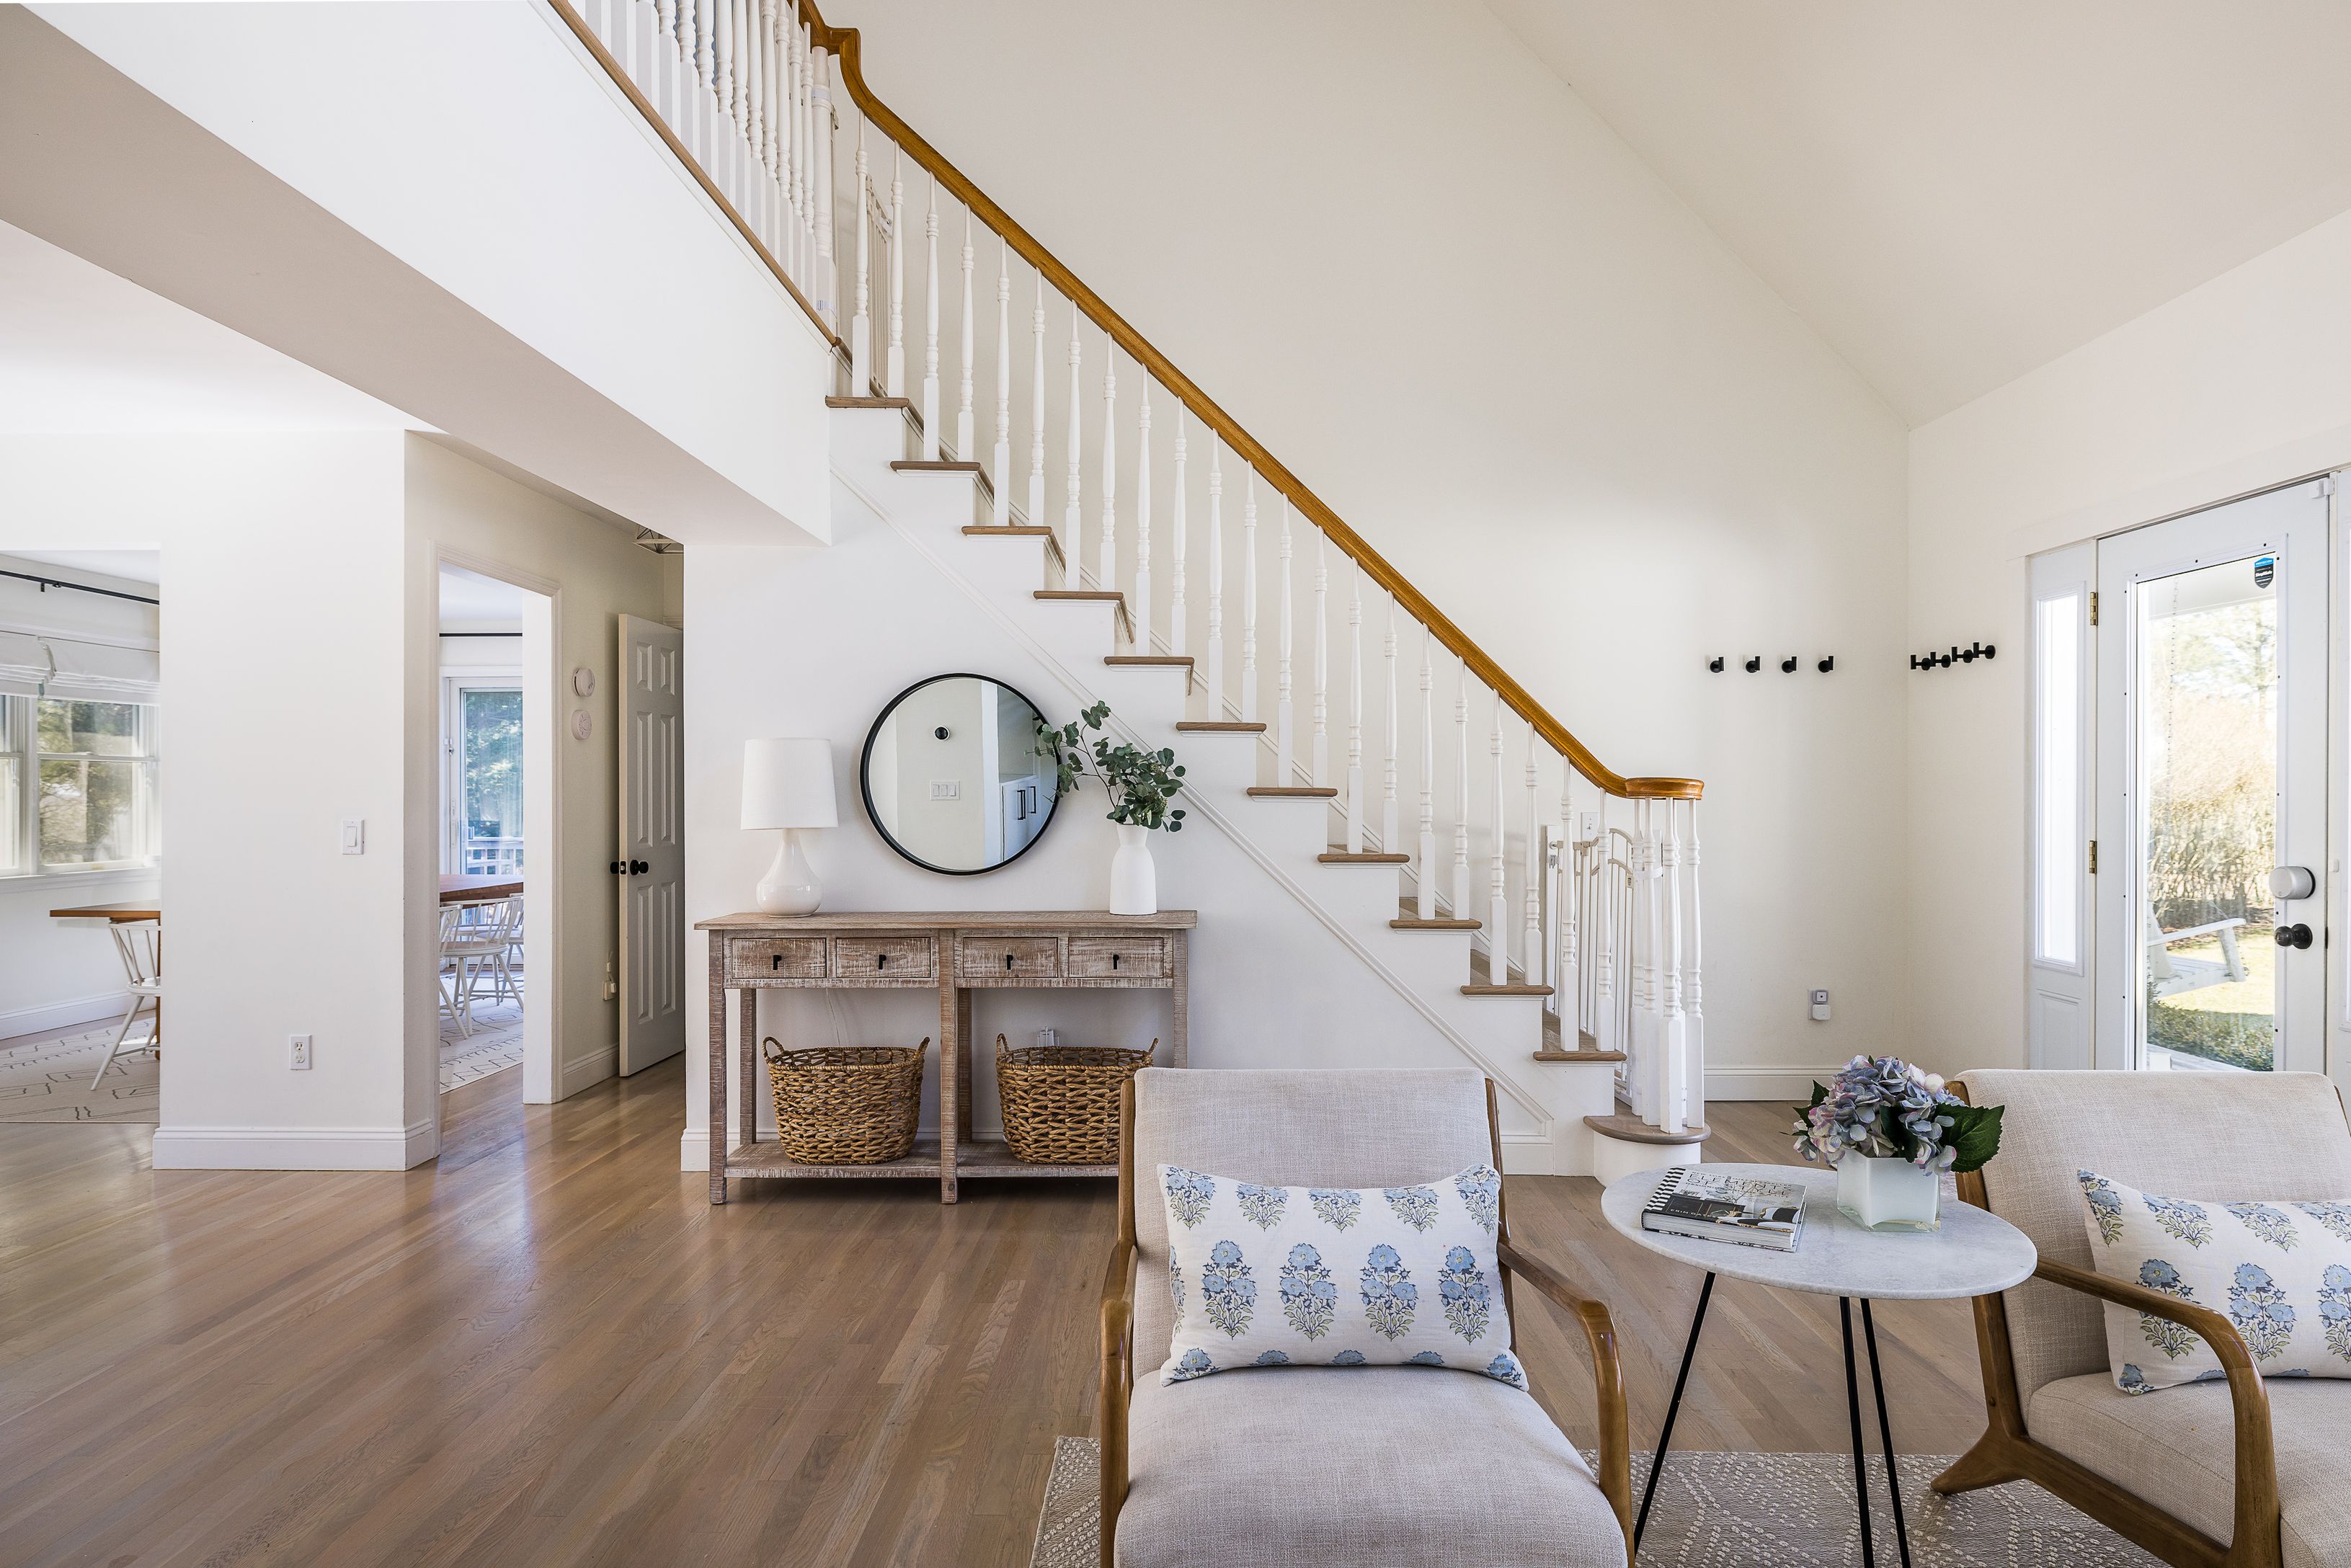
[(2211, 892)]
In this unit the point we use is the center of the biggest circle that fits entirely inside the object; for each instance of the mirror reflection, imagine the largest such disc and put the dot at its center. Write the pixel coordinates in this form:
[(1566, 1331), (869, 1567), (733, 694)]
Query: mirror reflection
[(952, 777)]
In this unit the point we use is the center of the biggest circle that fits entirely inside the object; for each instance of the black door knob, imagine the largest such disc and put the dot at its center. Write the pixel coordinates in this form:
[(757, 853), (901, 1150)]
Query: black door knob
[(639, 868), (2295, 935)]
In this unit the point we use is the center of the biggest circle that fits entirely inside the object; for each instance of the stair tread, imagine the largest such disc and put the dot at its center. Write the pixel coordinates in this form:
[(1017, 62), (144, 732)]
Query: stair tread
[(1110, 595), (1506, 990), (1171, 661), (1009, 530), (932, 466), (1631, 1129), (1339, 855), (1411, 923), (1291, 792), (1579, 1056), (1218, 726), (868, 402)]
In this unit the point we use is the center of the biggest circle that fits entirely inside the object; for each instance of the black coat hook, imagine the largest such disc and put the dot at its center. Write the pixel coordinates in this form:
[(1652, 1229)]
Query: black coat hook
[(1828, 663), (1715, 664), (1754, 664), (1788, 665)]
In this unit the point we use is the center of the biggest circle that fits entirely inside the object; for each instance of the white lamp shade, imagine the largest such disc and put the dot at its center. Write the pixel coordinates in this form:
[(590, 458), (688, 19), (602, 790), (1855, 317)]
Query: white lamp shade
[(787, 783)]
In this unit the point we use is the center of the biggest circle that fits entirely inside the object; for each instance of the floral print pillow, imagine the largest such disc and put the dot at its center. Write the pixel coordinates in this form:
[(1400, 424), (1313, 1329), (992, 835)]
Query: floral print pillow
[(2280, 1271), (1299, 1276)]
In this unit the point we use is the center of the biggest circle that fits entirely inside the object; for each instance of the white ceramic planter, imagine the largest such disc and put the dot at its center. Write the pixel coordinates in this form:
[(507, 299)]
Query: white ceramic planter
[(1889, 1195), (1134, 880)]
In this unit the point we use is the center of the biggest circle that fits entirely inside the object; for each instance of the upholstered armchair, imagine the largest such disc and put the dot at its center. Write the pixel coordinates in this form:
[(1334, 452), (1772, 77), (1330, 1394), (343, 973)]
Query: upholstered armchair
[(1345, 1466), (2242, 1474)]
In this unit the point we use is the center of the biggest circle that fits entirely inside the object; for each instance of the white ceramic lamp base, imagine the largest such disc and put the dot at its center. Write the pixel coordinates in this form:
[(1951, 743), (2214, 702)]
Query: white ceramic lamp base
[(790, 886)]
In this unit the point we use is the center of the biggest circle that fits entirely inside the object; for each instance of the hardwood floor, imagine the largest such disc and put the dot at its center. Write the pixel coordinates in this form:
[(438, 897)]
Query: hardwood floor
[(548, 1348)]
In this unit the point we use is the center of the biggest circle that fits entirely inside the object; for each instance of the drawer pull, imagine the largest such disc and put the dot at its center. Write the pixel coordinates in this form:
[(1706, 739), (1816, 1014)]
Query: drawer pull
[(1008, 960), (880, 960), (1113, 960), (775, 962)]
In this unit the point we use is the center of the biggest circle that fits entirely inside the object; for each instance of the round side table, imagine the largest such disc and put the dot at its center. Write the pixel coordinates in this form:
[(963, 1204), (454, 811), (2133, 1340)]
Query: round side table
[(1974, 1254)]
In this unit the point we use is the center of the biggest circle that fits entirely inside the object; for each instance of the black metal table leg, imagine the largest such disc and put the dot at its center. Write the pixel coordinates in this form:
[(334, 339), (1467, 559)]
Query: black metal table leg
[(1885, 1434), (1674, 1406), (1852, 1409)]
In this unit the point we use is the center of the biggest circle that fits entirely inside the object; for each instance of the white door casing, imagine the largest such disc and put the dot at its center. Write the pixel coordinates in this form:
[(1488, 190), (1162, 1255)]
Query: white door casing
[(2060, 955), (2289, 524), (651, 866)]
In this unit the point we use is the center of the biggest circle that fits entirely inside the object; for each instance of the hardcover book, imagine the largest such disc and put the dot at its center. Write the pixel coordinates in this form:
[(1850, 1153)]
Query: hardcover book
[(1746, 1212)]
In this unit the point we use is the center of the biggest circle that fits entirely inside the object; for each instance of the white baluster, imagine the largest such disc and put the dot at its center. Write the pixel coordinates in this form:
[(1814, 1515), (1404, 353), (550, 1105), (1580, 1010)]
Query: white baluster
[(796, 133), (1073, 522), (767, 36), (861, 325), (1498, 905), (1605, 934), (1036, 515), (705, 47), (1461, 796), (1693, 999), (1642, 1070), (827, 272), (1216, 579), (931, 328), (1424, 877), (1176, 612), (1567, 976), (1142, 520), (1321, 658), (1106, 569), (1248, 607), (1355, 716), (1000, 502), (779, 100), (897, 368), (1284, 711), (1672, 1040), (754, 24), (1532, 949), (964, 436), (803, 131), (1389, 843)]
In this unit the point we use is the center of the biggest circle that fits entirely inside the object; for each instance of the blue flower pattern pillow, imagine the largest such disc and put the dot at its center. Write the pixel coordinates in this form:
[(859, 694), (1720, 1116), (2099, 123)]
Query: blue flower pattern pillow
[(2280, 1271), (1396, 1276)]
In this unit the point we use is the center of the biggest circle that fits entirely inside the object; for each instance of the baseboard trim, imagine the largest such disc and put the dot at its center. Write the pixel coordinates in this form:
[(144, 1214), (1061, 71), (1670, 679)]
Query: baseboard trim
[(63, 1014), (295, 1148), (593, 1067), (1793, 1085)]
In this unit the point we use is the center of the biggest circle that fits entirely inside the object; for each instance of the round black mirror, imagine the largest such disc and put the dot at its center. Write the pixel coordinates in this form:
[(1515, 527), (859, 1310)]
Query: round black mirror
[(952, 778)]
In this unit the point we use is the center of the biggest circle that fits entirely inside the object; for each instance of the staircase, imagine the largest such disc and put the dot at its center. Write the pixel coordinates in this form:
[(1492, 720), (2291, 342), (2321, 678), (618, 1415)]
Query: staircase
[(1537, 907)]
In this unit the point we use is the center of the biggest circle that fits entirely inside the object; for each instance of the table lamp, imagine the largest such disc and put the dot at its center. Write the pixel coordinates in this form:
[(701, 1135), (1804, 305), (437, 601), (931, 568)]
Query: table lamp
[(788, 784)]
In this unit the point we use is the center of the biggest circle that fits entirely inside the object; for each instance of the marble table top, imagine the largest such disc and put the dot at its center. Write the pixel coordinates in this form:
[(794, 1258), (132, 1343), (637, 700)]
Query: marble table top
[(1974, 1254)]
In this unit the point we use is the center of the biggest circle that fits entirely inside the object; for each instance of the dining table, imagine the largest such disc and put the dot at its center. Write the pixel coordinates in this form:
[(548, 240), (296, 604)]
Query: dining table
[(126, 913), (464, 887)]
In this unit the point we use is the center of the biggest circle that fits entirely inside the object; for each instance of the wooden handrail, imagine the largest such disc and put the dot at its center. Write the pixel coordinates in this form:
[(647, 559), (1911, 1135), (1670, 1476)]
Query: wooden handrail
[(842, 44)]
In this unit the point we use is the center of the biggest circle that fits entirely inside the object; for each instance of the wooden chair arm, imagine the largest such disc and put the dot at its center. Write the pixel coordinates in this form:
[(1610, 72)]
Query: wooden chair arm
[(1117, 1385), (2256, 1492), (1616, 1475)]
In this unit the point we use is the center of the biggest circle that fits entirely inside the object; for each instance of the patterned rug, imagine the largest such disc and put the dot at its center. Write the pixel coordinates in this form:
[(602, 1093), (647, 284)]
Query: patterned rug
[(495, 1045), (1742, 1510), (49, 1081)]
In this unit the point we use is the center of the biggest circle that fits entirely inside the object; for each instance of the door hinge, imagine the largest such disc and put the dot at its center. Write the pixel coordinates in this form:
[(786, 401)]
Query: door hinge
[(2093, 857), (2093, 607), (2326, 484)]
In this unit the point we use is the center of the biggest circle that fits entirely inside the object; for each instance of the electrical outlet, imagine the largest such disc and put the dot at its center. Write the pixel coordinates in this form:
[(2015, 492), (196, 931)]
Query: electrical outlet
[(300, 1043), (1047, 1039), (1820, 1007)]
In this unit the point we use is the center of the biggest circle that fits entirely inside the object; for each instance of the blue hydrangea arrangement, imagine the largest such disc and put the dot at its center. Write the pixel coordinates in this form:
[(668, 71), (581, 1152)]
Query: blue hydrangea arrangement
[(1881, 1107)]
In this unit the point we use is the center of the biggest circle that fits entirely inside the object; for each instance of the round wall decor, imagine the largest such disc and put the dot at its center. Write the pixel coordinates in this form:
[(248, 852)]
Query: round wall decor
[(583, 723), (583, 681)]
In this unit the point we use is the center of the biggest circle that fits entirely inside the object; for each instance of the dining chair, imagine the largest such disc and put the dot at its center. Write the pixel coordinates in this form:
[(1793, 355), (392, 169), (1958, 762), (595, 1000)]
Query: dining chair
[(141, 945), (480, 946)]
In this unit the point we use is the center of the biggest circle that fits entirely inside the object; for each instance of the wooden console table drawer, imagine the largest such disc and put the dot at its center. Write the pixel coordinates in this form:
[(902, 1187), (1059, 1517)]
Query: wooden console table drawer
[(993, 958), (1117, 958), (776, 958), (906, 956)]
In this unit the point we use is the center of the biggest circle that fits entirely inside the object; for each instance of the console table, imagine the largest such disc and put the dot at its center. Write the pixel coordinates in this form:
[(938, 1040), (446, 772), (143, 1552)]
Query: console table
[(954, 954)]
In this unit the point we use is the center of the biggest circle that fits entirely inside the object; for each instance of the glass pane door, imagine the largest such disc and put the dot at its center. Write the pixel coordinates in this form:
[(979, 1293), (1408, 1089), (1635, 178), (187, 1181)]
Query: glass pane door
[(489, 768), (2206, 716)]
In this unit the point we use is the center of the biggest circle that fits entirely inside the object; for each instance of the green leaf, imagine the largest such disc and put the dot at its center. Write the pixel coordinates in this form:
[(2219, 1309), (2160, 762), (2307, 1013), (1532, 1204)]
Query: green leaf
[(1975, 1133)]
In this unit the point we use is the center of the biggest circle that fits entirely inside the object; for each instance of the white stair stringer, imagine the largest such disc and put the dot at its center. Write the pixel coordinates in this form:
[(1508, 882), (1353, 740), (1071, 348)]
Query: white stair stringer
[(1283, 837)]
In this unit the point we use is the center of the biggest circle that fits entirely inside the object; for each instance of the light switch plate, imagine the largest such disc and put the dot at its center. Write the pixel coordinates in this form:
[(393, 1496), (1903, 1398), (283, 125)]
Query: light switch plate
[(354, 836), (946, 789)]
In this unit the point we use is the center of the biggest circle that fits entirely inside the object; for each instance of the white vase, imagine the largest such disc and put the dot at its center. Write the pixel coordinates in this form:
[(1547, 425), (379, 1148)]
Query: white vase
[(1889, 1195), (1133, 881)]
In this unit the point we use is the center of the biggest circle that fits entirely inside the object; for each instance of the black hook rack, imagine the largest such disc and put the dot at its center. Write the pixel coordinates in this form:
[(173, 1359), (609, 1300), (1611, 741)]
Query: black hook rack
[(1788, 665), (1934, 660)]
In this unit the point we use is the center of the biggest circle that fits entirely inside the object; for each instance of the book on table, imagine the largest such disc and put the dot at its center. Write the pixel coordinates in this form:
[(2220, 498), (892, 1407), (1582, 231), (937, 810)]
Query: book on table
[(1742, 1211)]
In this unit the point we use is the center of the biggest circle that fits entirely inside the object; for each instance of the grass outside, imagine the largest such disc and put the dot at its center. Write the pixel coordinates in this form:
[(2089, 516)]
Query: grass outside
[(2231, 1022)]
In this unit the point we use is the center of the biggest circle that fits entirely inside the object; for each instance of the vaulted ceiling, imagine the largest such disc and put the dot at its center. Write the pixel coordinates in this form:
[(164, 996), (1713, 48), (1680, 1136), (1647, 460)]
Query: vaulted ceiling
[(1953, 193)]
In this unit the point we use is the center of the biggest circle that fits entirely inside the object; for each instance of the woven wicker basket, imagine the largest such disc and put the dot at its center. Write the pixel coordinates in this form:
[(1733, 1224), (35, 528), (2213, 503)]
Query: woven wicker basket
[(1061, 1101), (846, 1104)]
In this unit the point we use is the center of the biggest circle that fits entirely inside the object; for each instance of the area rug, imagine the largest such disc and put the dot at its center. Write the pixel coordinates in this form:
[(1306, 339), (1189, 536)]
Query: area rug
[(495, 1045), (1740, 1511), (49, 1081)]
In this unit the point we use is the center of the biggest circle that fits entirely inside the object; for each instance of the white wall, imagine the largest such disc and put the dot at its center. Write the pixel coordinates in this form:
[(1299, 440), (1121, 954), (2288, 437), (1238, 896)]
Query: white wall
[(282, 626), (1417, 266), (2232, 386), (460, 512), (54, 976)]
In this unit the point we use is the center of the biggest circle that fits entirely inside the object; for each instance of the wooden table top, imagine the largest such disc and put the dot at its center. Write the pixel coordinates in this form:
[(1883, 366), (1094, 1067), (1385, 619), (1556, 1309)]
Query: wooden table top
[(458, 887), (953, 920), (116, 913)]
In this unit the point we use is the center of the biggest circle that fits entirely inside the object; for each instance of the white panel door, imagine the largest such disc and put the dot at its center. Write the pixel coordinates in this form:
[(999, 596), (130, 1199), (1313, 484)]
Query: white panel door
[(651, 868), (2059, 963), (2213, 726)]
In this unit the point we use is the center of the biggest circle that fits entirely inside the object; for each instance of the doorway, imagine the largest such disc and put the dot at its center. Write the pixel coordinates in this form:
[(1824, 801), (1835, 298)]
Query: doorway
[(2179, 793)]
